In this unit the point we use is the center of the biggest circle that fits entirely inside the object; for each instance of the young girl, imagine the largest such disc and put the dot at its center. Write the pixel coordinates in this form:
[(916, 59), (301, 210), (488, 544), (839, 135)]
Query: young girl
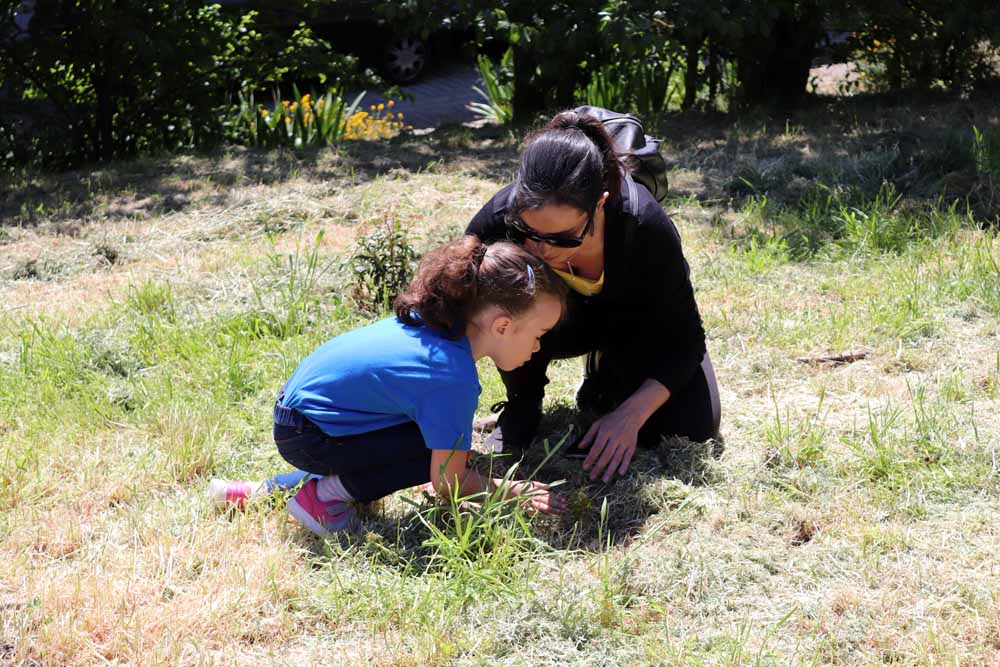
[(390, 405)]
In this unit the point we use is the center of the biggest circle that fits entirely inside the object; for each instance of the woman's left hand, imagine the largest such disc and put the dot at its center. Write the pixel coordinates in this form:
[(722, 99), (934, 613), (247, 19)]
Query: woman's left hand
[(612, 440)]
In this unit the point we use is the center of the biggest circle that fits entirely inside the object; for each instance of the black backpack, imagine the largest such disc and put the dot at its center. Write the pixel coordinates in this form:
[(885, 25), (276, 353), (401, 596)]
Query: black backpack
[(630, 137)]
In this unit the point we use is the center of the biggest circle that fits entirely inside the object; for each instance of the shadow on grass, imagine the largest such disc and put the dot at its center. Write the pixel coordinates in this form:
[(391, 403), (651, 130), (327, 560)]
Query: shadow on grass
[(150, 186), (656, 487), (921, 144)]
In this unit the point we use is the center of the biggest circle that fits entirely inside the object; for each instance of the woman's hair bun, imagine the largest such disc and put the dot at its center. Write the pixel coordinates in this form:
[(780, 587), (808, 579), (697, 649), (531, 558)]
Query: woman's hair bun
[(572, 161)]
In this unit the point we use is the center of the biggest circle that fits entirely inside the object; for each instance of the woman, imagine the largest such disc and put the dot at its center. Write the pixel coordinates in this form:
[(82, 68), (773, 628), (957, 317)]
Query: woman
[(631, 306)]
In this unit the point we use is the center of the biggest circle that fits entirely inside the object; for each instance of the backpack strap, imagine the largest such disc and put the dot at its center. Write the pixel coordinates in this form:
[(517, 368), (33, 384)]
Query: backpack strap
[(631, 209), (633, 196)]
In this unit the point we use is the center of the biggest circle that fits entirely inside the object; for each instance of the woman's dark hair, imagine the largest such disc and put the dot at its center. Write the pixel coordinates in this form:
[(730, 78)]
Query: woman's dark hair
[(570, 162), (458, 279)]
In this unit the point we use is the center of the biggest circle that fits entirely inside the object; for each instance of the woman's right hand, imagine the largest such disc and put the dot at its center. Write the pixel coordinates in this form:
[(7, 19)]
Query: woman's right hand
[(539, 497)]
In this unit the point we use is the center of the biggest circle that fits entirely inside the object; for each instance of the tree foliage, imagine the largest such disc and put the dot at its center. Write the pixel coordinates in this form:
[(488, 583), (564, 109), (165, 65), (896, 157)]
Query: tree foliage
[(98, 79), (928, 43), (548, 39), (742, 53)]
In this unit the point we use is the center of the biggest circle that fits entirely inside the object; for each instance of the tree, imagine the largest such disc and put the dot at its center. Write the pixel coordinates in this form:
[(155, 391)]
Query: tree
[(550, 40), (928, 43), (773, 57), (557, 44), (111, 78)]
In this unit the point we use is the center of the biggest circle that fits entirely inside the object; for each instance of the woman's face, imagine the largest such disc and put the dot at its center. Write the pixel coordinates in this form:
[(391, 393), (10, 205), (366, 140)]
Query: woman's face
[(567, 221)]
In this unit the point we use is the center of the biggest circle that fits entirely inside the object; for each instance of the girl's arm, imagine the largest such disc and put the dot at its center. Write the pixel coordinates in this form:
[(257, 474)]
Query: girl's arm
[(448, 467)]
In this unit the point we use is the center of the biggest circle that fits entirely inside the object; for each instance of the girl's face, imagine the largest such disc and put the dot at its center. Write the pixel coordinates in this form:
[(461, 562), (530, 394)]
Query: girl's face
[(520, 337)]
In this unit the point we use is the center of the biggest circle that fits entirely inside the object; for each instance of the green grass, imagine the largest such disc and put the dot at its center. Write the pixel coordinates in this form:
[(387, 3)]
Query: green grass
[(849, 517)]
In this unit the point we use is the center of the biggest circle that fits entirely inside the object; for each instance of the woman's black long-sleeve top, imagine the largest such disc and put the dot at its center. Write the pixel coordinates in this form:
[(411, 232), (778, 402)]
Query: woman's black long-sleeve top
[(647, 304)]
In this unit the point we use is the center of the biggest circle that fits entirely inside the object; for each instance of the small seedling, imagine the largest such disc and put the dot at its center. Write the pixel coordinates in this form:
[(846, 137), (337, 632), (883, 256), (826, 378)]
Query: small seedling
[(382, 264)]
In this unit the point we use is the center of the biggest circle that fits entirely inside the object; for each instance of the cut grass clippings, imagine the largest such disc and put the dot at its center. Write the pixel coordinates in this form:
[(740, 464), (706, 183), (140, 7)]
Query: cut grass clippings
[(851, 516)]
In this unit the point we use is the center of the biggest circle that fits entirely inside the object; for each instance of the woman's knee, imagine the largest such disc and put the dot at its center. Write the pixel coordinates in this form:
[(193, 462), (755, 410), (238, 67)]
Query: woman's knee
[(696, 428), (693, 413)]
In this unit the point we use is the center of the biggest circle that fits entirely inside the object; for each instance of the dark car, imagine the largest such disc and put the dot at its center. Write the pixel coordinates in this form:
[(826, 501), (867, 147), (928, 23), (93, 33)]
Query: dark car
[(355, 27)]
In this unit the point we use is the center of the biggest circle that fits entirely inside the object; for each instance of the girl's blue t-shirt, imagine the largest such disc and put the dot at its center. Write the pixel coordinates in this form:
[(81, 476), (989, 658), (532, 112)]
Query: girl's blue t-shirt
[(385, 374)]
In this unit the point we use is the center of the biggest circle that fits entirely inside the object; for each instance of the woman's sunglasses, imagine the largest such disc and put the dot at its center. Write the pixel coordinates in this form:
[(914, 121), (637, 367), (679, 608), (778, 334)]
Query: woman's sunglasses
[(518, 232)]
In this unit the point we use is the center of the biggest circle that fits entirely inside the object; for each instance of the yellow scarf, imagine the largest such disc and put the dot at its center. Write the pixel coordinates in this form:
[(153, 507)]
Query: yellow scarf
[(582, 285)]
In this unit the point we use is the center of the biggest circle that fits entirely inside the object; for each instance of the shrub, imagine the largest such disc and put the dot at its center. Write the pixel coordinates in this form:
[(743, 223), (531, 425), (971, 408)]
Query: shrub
[(303, 121), (381, 265), (498, 89), (647, 87), (95, 80), (929, 45)]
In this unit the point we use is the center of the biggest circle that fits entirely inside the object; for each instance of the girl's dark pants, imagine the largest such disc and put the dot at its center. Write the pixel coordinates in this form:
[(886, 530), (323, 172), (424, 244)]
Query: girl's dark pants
[(617, 367), (370, 465)]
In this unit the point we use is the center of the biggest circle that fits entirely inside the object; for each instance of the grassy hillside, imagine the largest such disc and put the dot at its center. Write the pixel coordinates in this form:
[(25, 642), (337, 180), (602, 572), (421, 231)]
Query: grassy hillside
[(149, 312)]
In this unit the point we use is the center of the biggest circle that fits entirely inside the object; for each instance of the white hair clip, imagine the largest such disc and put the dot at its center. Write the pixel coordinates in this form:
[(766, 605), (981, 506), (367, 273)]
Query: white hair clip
[(531, 278)]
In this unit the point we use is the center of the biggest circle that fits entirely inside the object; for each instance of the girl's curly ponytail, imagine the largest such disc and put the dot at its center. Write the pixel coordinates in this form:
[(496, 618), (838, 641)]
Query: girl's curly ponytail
[(458, 279)]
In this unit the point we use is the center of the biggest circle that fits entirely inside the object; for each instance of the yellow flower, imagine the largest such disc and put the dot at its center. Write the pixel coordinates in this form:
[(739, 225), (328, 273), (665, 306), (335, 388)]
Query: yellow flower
[(381, 107), (876, 42), (285, 104), (399, 115), (264, 113), (391, 104)]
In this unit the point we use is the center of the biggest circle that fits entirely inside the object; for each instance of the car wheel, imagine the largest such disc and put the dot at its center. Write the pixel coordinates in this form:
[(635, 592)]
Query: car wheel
[(405, 59)]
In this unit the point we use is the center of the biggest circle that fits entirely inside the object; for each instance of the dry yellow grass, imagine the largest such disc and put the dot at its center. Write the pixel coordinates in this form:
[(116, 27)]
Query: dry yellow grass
[(797, 545)]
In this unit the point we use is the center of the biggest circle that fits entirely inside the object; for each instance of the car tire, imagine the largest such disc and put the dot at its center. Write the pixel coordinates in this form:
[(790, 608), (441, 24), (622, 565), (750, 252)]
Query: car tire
[(405, 58)]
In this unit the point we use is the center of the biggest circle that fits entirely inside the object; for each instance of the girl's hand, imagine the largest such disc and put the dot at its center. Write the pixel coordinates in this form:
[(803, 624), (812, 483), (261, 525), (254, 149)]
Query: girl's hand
[(539, 498)]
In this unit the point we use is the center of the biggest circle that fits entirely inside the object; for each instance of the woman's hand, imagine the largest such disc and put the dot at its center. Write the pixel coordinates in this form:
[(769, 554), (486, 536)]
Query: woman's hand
[(539, 497), (612, 440)]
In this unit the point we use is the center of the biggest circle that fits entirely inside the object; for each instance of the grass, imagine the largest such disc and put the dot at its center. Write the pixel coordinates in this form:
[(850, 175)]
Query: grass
[(152, 309)]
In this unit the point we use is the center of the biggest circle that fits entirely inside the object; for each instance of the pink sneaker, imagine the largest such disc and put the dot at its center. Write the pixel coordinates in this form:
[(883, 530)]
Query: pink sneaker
[(322, 518), (235, 493)]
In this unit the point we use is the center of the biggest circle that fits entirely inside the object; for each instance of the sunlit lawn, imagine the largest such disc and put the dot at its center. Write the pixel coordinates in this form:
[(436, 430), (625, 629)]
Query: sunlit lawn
[(152, 309)]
